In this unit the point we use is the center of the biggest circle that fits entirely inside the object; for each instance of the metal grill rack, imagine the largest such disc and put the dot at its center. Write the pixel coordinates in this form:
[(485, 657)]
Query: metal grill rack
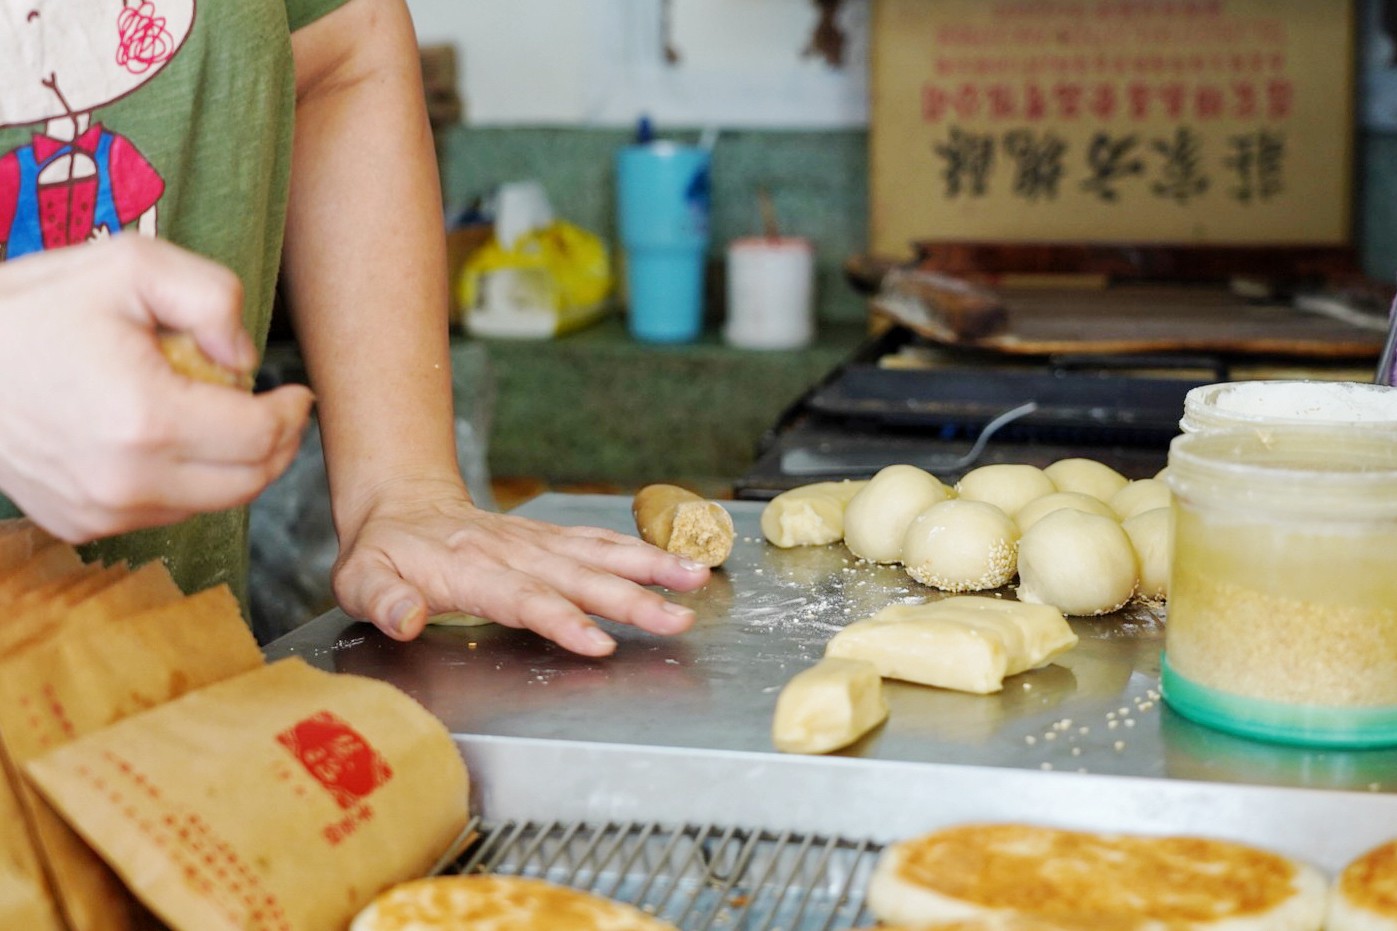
[(693, 876)]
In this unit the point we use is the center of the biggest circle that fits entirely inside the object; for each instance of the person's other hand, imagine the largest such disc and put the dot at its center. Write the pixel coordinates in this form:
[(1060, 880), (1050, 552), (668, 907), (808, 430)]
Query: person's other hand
[(98, 435), (421, 548)]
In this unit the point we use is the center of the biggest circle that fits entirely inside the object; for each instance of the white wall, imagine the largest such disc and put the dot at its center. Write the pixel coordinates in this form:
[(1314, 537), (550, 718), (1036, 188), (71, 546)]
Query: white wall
[(600, 62)]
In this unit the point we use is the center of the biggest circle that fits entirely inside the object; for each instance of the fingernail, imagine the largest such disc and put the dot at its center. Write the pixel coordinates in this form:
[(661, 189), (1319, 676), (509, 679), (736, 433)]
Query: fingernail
[(400, 613), (678, 610), (688, 565), (598, 638)]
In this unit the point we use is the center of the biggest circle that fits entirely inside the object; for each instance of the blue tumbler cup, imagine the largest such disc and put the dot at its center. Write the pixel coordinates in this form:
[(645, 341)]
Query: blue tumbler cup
[(663, 211)]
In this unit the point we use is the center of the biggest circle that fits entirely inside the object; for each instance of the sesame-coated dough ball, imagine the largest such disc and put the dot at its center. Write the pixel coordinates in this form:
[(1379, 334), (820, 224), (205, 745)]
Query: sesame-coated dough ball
[(961, 546)]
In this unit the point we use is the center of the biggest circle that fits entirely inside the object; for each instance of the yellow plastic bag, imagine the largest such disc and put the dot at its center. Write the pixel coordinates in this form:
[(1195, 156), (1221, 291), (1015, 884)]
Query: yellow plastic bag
[(553, 280)]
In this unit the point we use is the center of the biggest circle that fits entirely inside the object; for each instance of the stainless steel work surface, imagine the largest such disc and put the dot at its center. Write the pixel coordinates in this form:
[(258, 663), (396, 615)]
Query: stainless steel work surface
[(767, 615)]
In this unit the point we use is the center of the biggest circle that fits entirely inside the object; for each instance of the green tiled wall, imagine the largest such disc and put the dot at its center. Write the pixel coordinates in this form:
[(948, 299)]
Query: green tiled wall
[(597, 406)]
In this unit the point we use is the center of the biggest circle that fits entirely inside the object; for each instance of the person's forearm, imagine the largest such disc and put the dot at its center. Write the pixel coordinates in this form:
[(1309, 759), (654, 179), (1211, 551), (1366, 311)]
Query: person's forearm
[(365, 261)]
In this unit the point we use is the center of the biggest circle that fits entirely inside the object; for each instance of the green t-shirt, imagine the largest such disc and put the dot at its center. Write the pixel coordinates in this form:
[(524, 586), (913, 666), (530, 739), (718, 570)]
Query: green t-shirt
[(183, 112)]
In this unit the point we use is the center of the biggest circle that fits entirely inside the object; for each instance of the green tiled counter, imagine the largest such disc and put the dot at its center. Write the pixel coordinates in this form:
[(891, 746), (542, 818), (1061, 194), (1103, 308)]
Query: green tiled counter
[(599, 406)]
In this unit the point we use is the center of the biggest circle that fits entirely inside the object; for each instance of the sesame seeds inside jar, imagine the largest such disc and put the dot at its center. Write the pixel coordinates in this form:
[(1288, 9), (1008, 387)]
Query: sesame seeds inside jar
[(1283, 592)]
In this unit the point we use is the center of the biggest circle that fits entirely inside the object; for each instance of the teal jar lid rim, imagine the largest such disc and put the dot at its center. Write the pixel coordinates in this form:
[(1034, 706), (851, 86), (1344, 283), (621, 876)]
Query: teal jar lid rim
[(1278, 722)]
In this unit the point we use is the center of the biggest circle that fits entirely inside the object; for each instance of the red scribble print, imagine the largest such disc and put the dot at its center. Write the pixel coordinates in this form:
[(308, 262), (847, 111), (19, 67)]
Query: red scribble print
[(337, 757), (144, 41)]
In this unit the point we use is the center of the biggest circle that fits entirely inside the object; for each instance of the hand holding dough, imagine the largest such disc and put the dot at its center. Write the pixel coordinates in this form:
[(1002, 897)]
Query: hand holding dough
[(828, 706), (680, 522), (186, 358)]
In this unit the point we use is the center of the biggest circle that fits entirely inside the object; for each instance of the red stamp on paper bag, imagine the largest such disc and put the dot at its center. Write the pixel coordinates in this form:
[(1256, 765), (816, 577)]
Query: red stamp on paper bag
[(337, 757)]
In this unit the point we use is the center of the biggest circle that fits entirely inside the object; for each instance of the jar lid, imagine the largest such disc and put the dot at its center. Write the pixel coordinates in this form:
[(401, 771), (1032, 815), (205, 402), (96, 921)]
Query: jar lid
[(1278, 722), (1279, 402)]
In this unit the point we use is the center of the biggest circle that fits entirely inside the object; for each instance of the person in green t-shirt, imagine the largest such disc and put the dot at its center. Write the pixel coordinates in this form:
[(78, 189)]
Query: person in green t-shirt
[(286, 141)]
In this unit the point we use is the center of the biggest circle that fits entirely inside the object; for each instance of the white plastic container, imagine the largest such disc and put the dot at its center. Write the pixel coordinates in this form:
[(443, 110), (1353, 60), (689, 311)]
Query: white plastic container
[(1254, 404), (771, 286)]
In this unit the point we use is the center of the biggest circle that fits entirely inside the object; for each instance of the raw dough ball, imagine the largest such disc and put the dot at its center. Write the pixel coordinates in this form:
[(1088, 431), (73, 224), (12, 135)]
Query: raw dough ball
[(1082, 564), (1140, 496), (1039, 508), (811, 515), (1086, 476), (961, 546), (1152, 536), (1008, 487), (877, 517), (828, 706)]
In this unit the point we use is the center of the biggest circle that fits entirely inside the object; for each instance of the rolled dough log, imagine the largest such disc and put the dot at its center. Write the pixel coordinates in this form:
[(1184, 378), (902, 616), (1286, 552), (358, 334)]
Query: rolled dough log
[(828, 706), (679, 521), (968, 643)]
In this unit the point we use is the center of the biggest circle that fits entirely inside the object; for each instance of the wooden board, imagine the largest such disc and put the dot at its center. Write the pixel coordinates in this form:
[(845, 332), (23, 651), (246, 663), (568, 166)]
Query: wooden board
[(1155, 318)]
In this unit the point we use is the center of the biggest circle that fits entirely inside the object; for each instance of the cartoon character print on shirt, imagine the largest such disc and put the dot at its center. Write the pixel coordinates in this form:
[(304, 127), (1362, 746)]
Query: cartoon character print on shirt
[(60, 62)]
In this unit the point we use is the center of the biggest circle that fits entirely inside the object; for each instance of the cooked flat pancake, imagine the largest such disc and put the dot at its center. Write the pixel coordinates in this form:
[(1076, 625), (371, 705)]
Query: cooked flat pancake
[(498, 903), (1082, 880), (1364, 897)]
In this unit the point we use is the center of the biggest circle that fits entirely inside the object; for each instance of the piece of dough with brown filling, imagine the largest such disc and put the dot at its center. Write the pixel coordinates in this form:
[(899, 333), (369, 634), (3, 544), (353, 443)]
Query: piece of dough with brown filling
[(680, 522)]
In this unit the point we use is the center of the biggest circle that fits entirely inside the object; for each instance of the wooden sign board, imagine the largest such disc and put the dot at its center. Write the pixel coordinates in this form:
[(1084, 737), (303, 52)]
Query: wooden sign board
[(1163, 121)]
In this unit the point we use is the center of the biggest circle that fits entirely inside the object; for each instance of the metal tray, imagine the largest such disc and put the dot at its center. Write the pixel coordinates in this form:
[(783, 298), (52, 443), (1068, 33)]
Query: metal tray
[(676, 730)]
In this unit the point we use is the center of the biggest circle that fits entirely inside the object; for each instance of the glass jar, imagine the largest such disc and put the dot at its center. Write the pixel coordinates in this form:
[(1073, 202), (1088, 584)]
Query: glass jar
[(1233, 405), (1283, 589)]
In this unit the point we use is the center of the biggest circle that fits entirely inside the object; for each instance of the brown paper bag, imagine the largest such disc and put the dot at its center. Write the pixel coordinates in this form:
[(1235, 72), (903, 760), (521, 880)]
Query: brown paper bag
[(25, 899), (281, 800), (96, 664)]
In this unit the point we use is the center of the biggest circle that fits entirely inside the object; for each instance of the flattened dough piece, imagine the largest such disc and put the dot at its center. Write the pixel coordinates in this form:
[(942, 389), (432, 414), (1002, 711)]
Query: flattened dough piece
[(828, 706), (679, 521), (969, 643), (811, 515)]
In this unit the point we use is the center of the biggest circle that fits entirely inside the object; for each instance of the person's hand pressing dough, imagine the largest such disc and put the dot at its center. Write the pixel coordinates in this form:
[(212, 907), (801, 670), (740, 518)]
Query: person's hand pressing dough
[(961, 546), (1079, 563), (877, 517), (828, 706), (1086, 476), (1152, 536), (1140, 496), (1039, 508), (811, 515), (1005, 485), (680, 522)]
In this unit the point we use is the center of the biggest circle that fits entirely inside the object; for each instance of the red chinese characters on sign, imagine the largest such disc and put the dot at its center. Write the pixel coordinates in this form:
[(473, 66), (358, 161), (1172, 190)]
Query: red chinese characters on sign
[(1082, 101), (337, 757)]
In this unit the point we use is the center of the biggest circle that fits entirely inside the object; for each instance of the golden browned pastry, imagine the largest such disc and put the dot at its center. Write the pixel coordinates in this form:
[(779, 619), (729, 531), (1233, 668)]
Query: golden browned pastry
[(992, 873), (498, 903), (1364, 897), (186, 358)]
